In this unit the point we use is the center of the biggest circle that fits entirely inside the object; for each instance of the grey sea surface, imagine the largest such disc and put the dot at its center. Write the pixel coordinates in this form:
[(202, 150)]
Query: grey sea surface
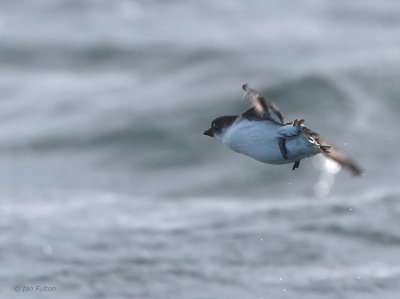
[(108, 189)]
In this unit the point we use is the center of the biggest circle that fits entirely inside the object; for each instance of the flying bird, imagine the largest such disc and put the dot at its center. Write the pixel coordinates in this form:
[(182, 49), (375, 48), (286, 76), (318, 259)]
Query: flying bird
[(262, 134)]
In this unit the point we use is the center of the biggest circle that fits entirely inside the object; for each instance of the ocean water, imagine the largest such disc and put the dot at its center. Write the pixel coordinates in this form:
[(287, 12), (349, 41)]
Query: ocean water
[(108, 189)]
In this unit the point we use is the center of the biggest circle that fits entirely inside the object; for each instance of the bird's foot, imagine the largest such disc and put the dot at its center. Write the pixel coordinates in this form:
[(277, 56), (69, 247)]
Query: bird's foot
[(296, 165)]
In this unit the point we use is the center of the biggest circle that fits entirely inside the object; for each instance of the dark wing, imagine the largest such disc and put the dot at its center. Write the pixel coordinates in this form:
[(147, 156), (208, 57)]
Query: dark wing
[(262, 108), (332, 152), (342, 158)]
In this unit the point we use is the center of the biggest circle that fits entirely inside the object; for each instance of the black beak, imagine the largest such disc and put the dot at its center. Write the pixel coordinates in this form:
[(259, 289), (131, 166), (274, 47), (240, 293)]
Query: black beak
[(209, 132)]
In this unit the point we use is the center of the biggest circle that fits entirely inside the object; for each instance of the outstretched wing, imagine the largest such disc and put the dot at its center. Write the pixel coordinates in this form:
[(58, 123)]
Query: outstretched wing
[(342, 158), (262, 108), (332, 152)]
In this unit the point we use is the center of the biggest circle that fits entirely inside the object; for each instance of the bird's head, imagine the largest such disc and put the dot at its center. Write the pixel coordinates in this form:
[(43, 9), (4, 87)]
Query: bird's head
[(219, 125)]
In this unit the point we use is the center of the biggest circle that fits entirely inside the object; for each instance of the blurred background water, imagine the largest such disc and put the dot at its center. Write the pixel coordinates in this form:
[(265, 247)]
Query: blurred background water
[(109, 190)]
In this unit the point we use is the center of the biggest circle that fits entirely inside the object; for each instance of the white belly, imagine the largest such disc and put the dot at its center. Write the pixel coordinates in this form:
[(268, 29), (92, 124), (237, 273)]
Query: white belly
[(260, 141)]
